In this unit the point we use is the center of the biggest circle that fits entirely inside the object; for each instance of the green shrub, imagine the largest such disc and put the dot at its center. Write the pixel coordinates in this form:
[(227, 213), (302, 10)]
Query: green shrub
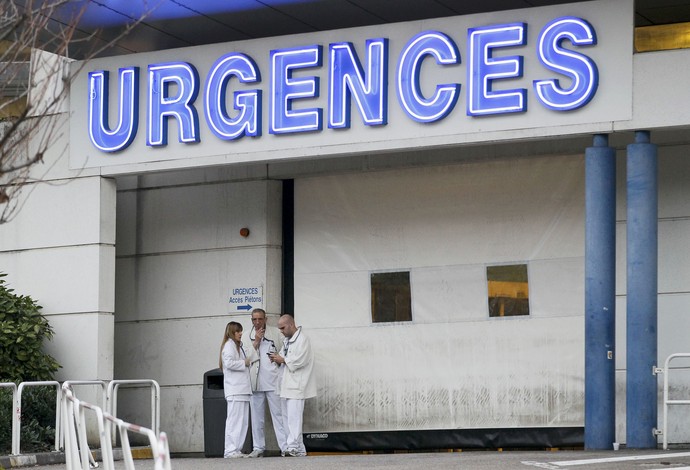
[(23, 330)]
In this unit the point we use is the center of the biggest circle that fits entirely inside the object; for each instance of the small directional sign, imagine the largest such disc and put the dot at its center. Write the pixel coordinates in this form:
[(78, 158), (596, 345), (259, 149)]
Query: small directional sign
[(244, 299)]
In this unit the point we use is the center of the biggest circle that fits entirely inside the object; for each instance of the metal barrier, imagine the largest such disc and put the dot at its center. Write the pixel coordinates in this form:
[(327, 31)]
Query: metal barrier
[(159, 445), (111, 400), (108, 409), (17, 415), (668, 402), (77, 454), (70, 385)]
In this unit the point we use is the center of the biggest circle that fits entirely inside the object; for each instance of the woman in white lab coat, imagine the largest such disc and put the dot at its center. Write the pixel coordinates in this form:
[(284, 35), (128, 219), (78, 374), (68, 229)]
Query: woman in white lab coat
[(237, 387)]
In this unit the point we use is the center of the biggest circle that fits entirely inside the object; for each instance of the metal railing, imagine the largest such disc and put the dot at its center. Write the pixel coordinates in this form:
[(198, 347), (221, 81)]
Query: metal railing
[(17, 412), (668, 402), (111, 399), (70, 384), (106, 411), (77, 453), (102, 383)]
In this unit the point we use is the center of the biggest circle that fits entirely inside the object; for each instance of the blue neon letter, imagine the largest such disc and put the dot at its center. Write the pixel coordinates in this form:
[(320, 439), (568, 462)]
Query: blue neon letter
[(248, 103), (100, 133), (285, 89), (163, 104), (484, 69), (444, 50), (346, 78), (581, 70)]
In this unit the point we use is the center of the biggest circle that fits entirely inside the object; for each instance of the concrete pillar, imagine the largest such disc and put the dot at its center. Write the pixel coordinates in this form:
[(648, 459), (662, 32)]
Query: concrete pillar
[(600, 297), (642, 273), (60, 250)]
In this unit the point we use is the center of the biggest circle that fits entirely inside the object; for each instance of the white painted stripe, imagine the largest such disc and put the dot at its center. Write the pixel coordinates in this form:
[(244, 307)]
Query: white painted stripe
[(548, 466), (622, 459), (674, 468)]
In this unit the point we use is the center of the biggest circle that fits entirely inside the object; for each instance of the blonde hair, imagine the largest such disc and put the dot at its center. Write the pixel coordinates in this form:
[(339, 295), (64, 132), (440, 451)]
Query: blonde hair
[(230, 330)]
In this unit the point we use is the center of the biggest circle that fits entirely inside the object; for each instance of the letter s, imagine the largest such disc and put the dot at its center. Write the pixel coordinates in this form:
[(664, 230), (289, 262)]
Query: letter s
[(581, 70)]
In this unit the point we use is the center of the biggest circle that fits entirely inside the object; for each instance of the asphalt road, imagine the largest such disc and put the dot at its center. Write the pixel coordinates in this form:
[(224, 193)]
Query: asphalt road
[(474, 460)]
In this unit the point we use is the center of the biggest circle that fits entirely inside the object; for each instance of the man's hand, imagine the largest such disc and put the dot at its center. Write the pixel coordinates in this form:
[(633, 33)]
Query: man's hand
[(258, 336), (277, 358)]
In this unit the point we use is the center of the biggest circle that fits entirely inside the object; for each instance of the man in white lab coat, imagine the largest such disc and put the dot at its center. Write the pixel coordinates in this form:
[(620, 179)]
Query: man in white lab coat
[(298, 382), (265, 377)]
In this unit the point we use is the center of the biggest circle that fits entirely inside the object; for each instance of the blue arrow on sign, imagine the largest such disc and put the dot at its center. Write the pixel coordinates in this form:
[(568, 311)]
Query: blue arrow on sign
[(244, 307)]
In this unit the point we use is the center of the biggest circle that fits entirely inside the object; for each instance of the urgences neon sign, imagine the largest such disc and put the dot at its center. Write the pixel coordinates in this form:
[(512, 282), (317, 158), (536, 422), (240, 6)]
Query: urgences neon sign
[(173, 87)]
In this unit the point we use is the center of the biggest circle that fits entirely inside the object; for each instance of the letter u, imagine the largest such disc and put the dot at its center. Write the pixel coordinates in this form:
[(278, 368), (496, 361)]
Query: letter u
[(102, 136)]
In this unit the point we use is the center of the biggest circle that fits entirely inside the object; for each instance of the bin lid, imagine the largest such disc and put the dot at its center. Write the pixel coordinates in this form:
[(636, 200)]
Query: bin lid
[(213, 372), (213, 384)]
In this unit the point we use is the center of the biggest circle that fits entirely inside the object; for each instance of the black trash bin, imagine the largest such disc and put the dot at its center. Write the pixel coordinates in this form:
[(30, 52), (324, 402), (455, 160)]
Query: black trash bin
[(215, 411)]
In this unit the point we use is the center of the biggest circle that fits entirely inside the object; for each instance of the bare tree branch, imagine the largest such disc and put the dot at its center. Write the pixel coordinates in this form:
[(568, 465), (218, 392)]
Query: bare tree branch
[(35, 39)]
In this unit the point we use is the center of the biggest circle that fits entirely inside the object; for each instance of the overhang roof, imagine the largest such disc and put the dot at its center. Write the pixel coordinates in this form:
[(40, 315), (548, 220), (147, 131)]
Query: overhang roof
[(170, 24)]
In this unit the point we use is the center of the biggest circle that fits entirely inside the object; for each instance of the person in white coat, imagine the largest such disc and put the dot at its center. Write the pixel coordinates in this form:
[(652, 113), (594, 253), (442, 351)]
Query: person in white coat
[(237, 388), (265, 378), (297, 383)]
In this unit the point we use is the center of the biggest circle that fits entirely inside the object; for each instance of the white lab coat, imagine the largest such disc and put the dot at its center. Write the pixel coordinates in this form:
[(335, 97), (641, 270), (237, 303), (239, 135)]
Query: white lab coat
[(298, 380), (261, 364), (235, 372), (238, 389), (265, 376)]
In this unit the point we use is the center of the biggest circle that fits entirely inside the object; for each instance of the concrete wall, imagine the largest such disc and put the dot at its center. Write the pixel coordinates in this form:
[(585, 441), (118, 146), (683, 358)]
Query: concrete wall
[(452, 366), (179, 253)]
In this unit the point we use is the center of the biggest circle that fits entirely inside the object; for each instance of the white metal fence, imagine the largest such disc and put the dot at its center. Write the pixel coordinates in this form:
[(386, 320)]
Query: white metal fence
[(668, 402), (17, 415), (77, 454), (70, 423), (111, 399)]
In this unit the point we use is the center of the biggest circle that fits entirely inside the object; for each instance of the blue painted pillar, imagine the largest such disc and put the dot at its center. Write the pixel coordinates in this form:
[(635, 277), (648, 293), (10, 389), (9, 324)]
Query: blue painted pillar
[(600, 294), (641, 386)]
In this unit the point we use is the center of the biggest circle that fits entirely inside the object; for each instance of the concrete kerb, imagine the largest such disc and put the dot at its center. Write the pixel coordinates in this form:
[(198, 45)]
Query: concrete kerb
[(31, 460), (623, 459), (55, 458)]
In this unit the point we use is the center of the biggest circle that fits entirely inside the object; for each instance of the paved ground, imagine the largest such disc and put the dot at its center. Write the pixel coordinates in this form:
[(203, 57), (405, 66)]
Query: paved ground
[(471, 460)]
